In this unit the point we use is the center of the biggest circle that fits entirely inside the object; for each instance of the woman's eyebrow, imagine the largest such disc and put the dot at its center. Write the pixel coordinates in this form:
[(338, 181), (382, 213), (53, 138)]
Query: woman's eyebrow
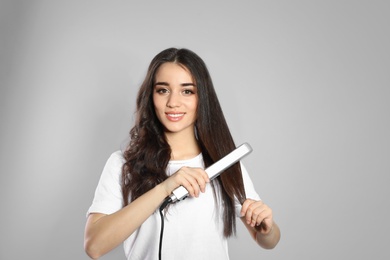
[(163, 83), (188, 84)]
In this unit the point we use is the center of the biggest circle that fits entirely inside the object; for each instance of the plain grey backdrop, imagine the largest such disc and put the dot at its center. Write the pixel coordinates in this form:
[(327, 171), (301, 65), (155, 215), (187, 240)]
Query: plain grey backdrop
[(306, 83)]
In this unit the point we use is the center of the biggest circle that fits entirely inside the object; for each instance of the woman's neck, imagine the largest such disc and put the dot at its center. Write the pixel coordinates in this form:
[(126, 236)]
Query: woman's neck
[(183, 146)]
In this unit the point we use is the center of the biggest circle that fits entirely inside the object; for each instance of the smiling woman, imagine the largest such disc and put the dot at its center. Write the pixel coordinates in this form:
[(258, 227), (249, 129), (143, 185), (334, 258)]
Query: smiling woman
[(175, 99), (179, 131)]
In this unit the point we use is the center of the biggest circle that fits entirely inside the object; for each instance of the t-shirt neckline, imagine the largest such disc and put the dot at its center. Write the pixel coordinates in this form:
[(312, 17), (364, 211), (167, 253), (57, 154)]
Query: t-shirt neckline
[(199, 156)]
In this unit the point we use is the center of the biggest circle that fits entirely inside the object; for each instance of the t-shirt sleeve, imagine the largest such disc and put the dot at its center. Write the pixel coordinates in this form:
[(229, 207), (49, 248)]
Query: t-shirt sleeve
[(108, 196), (249, 190)]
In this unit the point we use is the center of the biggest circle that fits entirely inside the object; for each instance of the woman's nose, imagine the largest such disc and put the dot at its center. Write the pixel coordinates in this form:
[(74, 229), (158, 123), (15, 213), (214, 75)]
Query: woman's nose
[(173, 100)]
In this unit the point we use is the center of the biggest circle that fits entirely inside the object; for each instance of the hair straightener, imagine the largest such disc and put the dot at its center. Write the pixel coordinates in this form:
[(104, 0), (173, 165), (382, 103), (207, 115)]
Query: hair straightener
[(212, 171), (216, 169)]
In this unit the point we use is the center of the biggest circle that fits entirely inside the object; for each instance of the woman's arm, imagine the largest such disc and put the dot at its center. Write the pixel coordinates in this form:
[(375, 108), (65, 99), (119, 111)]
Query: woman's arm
[(258, 219), (105, 232)]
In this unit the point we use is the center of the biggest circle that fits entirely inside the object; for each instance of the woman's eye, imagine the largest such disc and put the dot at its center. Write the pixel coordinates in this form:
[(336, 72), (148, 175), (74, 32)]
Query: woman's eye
[(162, 91), (188, 92)]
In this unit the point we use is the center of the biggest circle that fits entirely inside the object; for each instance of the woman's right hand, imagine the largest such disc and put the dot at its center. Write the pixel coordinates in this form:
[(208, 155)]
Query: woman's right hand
[(194, 180)]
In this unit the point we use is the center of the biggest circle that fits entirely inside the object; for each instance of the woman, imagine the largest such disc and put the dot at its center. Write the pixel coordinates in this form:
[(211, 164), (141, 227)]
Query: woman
[(179, 131)]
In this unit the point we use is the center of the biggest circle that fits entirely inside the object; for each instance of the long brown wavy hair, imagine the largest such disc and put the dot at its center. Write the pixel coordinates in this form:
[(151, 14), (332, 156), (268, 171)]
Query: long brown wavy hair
[(148, 152)]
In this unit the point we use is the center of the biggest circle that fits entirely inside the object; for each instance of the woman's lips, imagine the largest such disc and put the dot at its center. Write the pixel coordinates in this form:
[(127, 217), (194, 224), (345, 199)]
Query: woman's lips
[(174, 117)]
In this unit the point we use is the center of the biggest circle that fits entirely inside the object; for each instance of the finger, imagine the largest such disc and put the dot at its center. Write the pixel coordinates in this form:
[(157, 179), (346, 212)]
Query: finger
[(202, 179), (200, 176), (188, 186), (249, 210), (191, 177), (254, 213), (205, 176), (258, 217), (264, 219), (245, 206), (265, 226)]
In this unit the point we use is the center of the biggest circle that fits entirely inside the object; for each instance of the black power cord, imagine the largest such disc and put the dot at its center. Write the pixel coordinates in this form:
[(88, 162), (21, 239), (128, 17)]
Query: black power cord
[(162, 207)]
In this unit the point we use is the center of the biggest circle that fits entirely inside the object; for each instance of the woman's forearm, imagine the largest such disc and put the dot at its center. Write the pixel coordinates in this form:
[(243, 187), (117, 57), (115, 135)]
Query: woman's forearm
[(105, 232)]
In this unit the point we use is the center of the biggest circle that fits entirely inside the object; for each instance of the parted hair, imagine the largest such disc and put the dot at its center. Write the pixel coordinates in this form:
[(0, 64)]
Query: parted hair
[(148, 153)]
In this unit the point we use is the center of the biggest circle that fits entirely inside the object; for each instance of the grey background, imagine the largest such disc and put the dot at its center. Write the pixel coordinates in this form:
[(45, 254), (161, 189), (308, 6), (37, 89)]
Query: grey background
[(306, 83)]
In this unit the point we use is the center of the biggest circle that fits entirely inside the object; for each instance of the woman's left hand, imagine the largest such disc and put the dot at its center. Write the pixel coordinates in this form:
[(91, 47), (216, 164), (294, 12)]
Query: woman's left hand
[(258, 215)]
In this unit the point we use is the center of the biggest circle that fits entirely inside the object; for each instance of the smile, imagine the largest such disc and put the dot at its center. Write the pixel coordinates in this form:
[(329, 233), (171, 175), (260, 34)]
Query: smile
[(175, 116)]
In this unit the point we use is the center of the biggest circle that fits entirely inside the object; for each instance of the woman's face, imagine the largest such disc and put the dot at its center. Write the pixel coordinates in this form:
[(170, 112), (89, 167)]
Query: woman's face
[(175, 98)]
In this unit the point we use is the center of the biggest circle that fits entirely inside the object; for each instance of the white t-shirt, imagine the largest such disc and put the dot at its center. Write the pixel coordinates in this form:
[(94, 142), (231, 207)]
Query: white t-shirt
[(193, 228)]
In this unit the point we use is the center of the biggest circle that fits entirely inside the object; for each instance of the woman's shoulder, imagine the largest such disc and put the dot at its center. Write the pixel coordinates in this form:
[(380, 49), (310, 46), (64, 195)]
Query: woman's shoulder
[(116, 159), (117, 155)]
